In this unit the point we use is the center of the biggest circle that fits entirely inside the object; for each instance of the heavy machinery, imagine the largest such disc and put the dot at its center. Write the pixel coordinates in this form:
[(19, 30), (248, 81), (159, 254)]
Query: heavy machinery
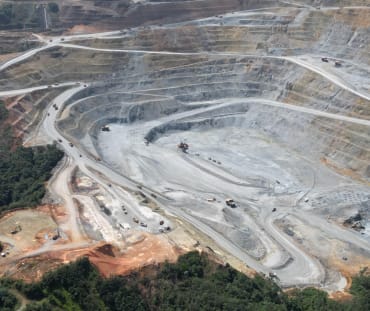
[(183, 146), (231, 203), (16, 229)]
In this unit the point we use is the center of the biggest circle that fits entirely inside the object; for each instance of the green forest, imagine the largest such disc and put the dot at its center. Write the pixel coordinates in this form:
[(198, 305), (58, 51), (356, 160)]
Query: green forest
[(193, 283), (23, 171)]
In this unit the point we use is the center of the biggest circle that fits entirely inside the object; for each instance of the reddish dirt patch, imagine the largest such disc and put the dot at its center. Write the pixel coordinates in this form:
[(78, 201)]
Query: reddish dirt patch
[(111, 261), (344, 171), (84, 29), (151, 250), (341, 296), (6, 57), (108, 259)]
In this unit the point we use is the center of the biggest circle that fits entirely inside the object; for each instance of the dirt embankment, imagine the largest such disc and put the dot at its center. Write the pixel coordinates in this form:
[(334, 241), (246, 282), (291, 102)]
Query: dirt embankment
[(34, 246), (109, 260)]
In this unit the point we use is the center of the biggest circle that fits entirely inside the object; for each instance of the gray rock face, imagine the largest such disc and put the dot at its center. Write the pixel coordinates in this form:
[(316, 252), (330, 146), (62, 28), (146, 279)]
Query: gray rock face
[(272, 99)]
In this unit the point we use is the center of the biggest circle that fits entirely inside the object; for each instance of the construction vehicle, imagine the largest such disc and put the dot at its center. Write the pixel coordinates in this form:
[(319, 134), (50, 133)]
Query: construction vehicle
[(105, 128), (16, 229), (231, 203), (183, 146), (125, 226), (56, 236), (272, 275)]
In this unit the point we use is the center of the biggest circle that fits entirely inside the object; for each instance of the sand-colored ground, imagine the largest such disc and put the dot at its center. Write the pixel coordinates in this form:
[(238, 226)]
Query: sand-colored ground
[(6, 57), (83, 29), (35, 227)]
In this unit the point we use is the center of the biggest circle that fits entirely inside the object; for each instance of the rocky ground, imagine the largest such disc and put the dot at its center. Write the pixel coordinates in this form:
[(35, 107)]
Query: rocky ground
[(270, 100)]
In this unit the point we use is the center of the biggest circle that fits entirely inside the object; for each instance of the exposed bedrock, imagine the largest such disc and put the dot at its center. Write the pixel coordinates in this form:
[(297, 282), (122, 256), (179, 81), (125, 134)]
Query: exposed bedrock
[(247, 119), (233, 84)]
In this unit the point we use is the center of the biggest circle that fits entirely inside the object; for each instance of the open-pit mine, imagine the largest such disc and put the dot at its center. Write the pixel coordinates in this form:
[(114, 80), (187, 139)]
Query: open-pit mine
[(241, 128)]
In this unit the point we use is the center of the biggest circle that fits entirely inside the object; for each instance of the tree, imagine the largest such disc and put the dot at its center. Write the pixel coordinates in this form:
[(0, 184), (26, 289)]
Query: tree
[(53, 7), (8, 301), (3, 111)]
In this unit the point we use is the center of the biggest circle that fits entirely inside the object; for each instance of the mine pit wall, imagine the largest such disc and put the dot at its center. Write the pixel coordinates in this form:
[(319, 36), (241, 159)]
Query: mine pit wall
[(162, 13), (342, 143), (12, 42), (87, 117), (26, 111), (110, 15), (325, 42), (326, 32), (319, 138), (305, 89)]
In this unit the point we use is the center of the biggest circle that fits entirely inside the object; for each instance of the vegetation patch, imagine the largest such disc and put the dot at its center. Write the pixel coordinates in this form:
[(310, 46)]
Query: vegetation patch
[(23, 171), (53, 7), (20, 15), (8, 302), (193, 283)]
